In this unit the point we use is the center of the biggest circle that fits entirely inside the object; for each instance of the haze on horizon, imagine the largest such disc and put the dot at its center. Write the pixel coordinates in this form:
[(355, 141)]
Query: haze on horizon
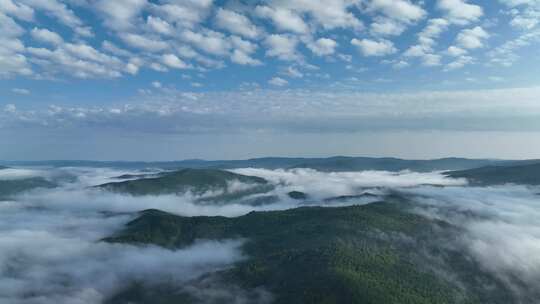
[(169, 80)]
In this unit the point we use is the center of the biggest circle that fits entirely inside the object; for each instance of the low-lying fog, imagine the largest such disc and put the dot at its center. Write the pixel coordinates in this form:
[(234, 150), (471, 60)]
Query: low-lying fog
[(49, 238)]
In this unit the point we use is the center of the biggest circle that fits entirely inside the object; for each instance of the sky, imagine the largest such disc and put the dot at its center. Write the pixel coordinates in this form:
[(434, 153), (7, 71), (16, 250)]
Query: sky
[(177, 79)]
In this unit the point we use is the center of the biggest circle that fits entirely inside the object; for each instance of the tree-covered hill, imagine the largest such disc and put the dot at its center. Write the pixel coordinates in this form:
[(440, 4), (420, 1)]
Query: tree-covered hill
[(197, 181), (528, 174), (11, 187), (376, 253)]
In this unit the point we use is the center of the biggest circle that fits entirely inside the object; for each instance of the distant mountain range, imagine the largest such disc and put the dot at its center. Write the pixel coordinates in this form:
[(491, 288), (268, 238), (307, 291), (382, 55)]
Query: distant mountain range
[(337, 163), (525, 174)]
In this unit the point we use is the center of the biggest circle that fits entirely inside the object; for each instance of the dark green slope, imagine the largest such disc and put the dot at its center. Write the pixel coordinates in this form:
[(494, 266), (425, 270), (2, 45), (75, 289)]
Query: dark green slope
[(198, 181), (497, 175), (342, 163), (373, 253), (8, 188)]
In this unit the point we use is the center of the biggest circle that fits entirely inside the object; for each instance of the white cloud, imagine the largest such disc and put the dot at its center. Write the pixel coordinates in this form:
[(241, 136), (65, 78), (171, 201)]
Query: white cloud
[(400, 64), (324, 110), (455, 51), (278, 82), (402, 10), (18, 10), (328, 14), (431, 60), (209, 41), (283, 19), (386, 27), (12, 62), (432, 31), (427, 41), (157, 84), (120, 15), (186, 14), (459, 63), (507, 53), (496, 78), (10, 108), (241, 57), (236, 23), (293, 72), (472, 38), (459, 11), (143, 43), (173, 61), (20, 91), (44, 35), (159, 25), (369, 47), (525, 14), (112, 48), (282, 46), (322, 46), (77, 60), (56, 9)]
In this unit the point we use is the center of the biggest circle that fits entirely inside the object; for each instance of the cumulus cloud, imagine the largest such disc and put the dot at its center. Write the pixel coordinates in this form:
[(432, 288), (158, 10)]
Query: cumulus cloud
[(282, 47), (173, 61), (236, 23), (472, 38), (143, 42), (44, 35), (278, 82), (427, 41), (283, 19), (322, 46), (508, 53), (159, 25), (201, 33), (369, 47), (460, 12), (58, 10), (325, 14), (120, 15), (12, 61), (386, 27), (20, 91), (403, 10), (17, 9)]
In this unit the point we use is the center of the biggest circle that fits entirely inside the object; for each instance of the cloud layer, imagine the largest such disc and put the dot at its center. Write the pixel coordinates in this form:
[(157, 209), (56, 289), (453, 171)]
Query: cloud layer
[(51, 249)]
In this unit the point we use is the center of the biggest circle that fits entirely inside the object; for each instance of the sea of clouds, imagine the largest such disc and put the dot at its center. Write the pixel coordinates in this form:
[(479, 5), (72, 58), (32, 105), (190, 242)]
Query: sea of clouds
[(51, 253)]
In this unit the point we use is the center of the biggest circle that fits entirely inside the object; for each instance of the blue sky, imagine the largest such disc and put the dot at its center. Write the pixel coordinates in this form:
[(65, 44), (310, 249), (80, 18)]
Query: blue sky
[(232, 79)]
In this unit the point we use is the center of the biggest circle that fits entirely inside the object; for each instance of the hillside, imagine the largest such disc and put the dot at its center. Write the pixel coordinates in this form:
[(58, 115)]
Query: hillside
[(197, 181), (8, 188), (357, 254), (528, 174)]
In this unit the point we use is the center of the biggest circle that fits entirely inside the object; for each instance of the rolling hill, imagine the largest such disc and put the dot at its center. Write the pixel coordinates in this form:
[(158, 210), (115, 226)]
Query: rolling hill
[(196, 181), (528, 174), (376, 253), (8, 188)]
